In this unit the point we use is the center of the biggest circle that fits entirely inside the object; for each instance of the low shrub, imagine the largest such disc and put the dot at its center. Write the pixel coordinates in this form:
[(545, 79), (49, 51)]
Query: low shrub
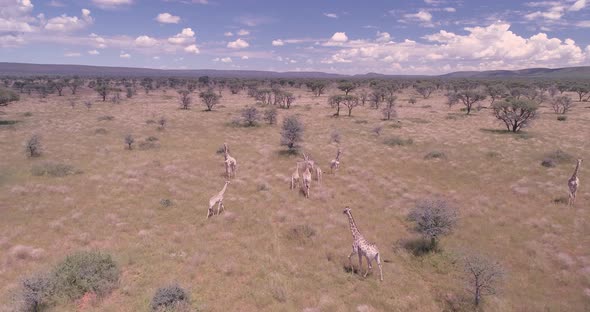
[(107, 118), (555, 158), (548, 162), (562, 200), (28, 114), (169, 298), (33, 146), (435, 155), (562, 118), (397, 141), (101, 131), (301, 233), (36, 293), (53, 169), (166, 203)]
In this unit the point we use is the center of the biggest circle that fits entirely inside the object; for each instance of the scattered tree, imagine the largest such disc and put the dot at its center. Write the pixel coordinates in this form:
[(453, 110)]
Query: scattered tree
[(515, 114), (434, 218), (270, 115), (346, 87), (389, 109), (292, 132), (129, 140), (335, 101), (562, 104), (33, 146), (467, 97), (250, 116), (483, 276), (581, 90), (162, 122), (425, 89), (103, 89), (74, 84), (185, 99), (496, 91), (351, 101), (209, 98)]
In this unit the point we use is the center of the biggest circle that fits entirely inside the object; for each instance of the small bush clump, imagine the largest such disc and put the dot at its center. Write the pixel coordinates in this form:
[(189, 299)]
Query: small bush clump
[(301, 233), (100, 131), (33, 146), (36, 293), (28, 114), (548, 162), (555, 158), (171, 297), (435, 155), (397, 141), (53, 169), (166, 203), (84, 272), (562, 118), (335, 137), (106, 118), (561, 200), (129, 140)]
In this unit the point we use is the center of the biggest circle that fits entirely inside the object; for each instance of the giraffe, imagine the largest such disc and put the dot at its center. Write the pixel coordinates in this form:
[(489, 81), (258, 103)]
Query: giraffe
[(335, 163), (230, 163), (295, 177), (306, 177), (318, 174), (217, 199), (309, 162), (362, 247), (574, 183)]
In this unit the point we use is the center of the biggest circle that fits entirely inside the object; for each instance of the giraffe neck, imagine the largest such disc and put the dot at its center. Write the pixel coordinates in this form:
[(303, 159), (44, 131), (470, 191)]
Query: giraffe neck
[(353, 229), (576, 170), (223, 190)]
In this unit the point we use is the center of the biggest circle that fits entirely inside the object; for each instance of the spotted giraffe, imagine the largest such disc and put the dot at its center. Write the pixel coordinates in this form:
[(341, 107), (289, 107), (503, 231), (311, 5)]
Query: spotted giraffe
[(362, 247), (573, 183)]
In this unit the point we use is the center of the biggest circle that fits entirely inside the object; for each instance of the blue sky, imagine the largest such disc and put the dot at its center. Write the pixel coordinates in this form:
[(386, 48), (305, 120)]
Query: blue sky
[(349, 37)]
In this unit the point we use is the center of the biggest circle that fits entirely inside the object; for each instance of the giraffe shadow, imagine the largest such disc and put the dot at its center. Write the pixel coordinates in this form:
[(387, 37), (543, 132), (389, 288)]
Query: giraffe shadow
[(350, 269), (418, 246)]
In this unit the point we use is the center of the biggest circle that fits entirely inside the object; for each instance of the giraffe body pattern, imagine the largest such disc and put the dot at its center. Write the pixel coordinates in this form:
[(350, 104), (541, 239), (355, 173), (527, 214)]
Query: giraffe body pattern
[(217, 200), (362, 248), (231, 164), (573, 184)]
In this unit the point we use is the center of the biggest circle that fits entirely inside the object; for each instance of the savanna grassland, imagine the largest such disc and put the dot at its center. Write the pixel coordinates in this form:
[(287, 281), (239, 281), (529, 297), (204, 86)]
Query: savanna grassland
[(272, 249)]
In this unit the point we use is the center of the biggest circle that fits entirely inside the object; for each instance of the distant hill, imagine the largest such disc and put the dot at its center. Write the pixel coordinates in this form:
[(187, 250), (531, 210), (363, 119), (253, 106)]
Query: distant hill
[(26, 69), (566, 72)]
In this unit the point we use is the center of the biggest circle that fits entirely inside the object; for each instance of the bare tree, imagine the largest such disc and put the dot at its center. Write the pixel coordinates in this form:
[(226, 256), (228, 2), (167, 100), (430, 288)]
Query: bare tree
[(562, 104), (210, 99), (88, 104), (129, 140), (270, 115), (185, 99), (515, 114), (376, 97), (292, 132), (250, 116), (434, 218), (33, 146), (389, 109), (483, 276)]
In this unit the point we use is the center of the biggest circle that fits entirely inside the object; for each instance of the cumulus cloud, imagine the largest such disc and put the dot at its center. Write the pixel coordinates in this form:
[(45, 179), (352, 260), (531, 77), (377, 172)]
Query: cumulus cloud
[(111, 4), (187, 35), (578, 5), (482, 48), (72, 54), (243, 32), (331, 15), (69, 23), (145, 41), (192, 49), (450, 9), (245, 57), (93, 52), (338, 38), (278, 43), (422, 15), (238, 44), (383, 37), (124, 55), (167, 18), (228, 33), (223, 59)]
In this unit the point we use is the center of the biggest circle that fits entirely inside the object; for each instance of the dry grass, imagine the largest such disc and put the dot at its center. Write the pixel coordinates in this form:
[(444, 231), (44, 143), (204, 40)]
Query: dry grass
[(259, 254)]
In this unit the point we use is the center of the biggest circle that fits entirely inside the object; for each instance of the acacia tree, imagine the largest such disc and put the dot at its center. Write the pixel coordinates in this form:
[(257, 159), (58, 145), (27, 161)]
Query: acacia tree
[(434, 218), (467, 97), (250, 116), (515, 113), (389, 109), (335, 101), (59, 85), (376, 97), (425, 89), (291, 132), (185, 99), (561, 104), (74, 84), (103, 89), (210, 99), (483, 276), (346, 87), (351, 101), (581, 90), (496, 91)]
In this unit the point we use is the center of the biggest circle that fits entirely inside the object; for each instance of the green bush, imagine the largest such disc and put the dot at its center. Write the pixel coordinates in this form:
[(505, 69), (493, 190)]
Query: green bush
[(84, 272), (36, 293)]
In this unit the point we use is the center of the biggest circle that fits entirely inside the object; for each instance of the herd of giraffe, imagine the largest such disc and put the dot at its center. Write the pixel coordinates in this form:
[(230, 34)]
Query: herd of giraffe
[(360, 246)]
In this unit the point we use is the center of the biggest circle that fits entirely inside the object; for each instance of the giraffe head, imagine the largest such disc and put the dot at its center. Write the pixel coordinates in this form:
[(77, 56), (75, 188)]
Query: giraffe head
[(346, 210), (227, 182)]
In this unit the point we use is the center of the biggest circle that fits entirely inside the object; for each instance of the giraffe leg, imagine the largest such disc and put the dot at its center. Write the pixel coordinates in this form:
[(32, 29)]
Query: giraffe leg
[(369, 267), (222, 208), (360, 263), (219, 206), (209, 212), (350, 261), (380, 268)]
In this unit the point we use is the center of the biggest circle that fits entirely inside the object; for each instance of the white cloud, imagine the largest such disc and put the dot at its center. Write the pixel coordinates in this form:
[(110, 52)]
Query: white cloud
[(155, 57), (11, 40), (192, 49), (124, 55), (339, 37), (55, 3), (450, 9), (228, 34), (238, 44), (584, 24), (245, 57), (383, 37), (187, 35), (278, 43), (72, 54), (223, 60), (331, 15), (145, 41), (167, 18), (93, 52), (423, 16), (111, 4), (482, 48), (578, 5), (243, 32), (66, 23)]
